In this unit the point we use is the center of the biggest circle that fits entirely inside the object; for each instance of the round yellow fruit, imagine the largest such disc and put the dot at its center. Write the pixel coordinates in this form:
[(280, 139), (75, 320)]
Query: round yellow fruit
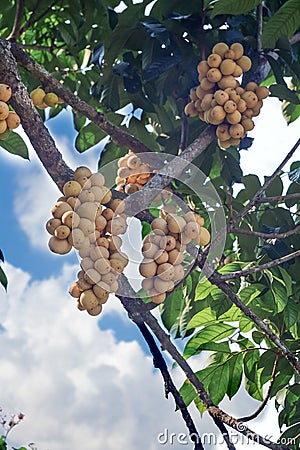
[(220, 49), (37, 96), (59, 246), (13, 120), (5, 92), (51, 99), (4, 111)]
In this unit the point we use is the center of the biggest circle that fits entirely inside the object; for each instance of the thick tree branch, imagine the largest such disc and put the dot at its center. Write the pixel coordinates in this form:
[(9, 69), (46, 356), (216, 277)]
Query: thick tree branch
[(132, 305), (260, 268), (32, 123), (266, 235), (159, 363), (118, 135)]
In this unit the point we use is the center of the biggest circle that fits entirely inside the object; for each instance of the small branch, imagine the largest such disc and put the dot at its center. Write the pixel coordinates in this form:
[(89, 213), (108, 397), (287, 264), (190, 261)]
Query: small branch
[(278, 198), (32, 123), (33, 18), (159, 363), (118, 135), (266, 235), (15, 33), (267, 397), (294, 39), (259, 20), (260, 268)]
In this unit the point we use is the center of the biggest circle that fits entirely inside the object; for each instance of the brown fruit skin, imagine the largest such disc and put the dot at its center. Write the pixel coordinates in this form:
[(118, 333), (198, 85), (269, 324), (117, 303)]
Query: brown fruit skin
[(245, 63), (81, 172), (175, 257), (248, 124), (217, 114), (4, 110), (148, 268), (222, 132), (62, 232), (221, 97), (190, 110), (3, 126), (74, 290), (220, 49), (203, 68), (250, 98), (60, 208), (204, 236), (238, 50), (262, 92), (214, 60), (228, 81), (88, 299), (178, 272), (234, 117), (162, 257), (163, 285), (227, 67), (251, 86), (159, 224), (95, 311), (158, 298), (206, 102), (5, 92), (51, 99), (214, 75), (165, 271), (206, 84), (13, 120), (52, 224), (133, 162), (59, 246), (37, 96), (72, 189), (230, 106), (237, 131)]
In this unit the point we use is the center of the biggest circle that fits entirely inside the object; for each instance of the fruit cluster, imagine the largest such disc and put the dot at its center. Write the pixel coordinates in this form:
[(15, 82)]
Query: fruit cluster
[(9, 120), (43, 100), (80, 221), (132, 173), (165, 251), (220, 100)]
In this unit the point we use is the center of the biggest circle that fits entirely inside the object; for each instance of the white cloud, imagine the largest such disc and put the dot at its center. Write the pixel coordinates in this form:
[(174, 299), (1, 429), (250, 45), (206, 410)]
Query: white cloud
[(78, 387)]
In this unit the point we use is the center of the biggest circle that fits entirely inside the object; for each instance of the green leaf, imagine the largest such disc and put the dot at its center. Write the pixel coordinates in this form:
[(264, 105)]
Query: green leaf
[(252, 185), (284, 93), (172, 307), (290, 313), (15, 145), (250, 292), (88, 136), (203, 317), (203, 289), (233, 7), (3, 279), (211, 333), (187, 392), (219, 383), (275, 188), (291, 436), (283, 23), (279, 294), (235, 374)]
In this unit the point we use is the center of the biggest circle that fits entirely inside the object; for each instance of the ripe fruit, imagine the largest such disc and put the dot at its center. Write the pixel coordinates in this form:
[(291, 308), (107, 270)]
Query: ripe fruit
[(3, 126), (51, 99), (238, 50), (4, 111), (60, 246), (245, 63), (37, 96), (220, 49), (5, 92), (13, 120), (214, 60)]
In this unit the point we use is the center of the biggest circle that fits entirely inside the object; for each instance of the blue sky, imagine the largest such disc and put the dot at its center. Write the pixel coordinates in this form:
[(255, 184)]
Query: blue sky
[(79, 380)]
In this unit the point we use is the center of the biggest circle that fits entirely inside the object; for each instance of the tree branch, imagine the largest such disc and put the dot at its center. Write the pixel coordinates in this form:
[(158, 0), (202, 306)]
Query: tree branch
[(15, 33), (278, 198), (159, 363), (266, 235), (32, 123), (118, 135), (131, 305), (259, 20), (260, 268)]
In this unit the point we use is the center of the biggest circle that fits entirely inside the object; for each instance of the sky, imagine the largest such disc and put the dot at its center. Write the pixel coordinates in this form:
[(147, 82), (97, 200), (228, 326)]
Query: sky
[(88, 382)]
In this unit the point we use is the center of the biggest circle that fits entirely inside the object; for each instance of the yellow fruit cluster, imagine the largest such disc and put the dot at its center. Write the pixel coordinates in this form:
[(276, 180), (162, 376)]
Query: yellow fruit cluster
[(9, 120), (220, 100), (80, 221), (132, 173), (165, 251), (42, 100)]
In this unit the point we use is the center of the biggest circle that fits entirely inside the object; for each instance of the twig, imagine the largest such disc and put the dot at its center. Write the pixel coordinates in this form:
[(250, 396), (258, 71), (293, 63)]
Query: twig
[(267, 397), (159, 363), (266, 235), (259, 20), (32, 123), (278, 198), (119, 136), (256, 199), (33, 18), (184, 130), (260, 268), (15, 33)]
